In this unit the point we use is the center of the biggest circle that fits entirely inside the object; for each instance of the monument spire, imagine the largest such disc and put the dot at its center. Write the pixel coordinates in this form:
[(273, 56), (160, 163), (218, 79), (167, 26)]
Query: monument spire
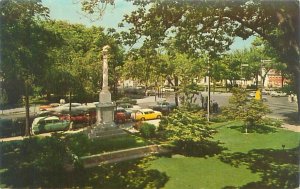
[(105, 67), (105, 96)]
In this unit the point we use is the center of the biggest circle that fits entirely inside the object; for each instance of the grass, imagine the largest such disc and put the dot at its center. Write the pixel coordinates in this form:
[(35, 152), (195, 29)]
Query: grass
[(255, 160), (236, 141), (191, 172), (250, 161), (82, 146)]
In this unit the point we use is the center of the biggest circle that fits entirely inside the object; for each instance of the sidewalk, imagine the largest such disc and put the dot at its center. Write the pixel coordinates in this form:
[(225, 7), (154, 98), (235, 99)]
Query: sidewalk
[(295, 128)]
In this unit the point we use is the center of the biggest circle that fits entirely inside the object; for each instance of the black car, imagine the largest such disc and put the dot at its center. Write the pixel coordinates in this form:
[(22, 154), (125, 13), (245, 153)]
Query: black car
[(164, 107)]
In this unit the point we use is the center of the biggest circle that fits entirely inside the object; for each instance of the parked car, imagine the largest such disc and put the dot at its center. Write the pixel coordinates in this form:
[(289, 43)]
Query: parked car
[(146, 114), (126, 100), (64, 109), (277, 94), (48, 107), (125, 105), (120, 115), (49, 124), (167, 89), (76, 117), (164, 107), (252, 94), (265, 92), (151, 92), (44, 113)]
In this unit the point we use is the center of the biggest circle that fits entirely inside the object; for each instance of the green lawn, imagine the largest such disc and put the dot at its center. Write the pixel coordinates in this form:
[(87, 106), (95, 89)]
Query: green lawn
[(249, 161)]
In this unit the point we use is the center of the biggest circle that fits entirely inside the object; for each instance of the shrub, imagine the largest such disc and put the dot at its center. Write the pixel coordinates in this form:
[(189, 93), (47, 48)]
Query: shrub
[(147, 130), (250, 111), (271, 122)]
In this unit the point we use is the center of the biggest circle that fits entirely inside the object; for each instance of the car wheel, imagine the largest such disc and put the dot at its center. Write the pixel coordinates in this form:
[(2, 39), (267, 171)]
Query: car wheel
[(158, 117), (142, 119)]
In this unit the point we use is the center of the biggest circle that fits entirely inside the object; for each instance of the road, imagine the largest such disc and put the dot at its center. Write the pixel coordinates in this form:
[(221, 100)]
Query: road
[(280, 106)]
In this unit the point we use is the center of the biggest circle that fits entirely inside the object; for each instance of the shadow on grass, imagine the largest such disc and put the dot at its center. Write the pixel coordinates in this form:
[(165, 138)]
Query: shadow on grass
[(40, 163), (278, 168), (130, 174), (261, 129), (198, 149)]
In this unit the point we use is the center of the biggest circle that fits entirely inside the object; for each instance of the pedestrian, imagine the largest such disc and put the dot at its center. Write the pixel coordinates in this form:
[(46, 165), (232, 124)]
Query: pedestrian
[(215, 106), (205, 106)]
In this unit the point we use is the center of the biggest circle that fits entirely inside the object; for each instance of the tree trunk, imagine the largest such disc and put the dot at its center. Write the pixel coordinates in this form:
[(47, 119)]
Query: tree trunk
[(27, 124), (176, 90)]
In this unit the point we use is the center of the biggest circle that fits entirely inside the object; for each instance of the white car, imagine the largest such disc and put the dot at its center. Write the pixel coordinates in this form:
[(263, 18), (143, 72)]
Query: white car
[(167, 89), (277, 94), (74, 107)]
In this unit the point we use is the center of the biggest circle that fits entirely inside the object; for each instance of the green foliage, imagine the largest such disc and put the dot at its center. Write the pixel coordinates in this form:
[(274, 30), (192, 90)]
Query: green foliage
[(270, 122), (147, 130), (185, 126), (250, 111), (35, 162), (40, 163), (197, 30), (3, 99)]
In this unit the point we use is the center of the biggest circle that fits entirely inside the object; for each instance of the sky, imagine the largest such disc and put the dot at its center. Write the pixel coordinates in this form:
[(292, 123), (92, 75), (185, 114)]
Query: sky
[(70, 10)]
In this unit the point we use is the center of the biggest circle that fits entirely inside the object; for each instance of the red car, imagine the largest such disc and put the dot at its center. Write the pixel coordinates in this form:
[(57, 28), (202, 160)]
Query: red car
[(48, 107), (120, 115), (75, 118)]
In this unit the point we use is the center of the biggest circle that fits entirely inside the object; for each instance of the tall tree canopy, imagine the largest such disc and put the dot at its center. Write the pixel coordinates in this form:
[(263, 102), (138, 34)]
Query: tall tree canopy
[(24, 46), (200, 26), (210, 26)]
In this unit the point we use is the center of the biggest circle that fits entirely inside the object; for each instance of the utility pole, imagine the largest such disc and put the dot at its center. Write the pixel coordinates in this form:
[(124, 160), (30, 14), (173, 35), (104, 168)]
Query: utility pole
[(208, 90)]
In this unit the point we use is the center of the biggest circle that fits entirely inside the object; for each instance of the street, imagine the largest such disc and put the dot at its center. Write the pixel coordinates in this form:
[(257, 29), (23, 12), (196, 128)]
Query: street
[(280, 106)]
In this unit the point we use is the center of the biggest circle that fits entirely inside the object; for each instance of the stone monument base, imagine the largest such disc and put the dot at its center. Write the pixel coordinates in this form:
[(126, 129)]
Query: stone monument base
[(105, 125), (104, 132)]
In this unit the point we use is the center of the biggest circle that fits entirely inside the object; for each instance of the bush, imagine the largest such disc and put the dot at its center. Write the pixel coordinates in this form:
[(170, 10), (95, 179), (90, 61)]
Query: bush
[(218, 119), (270, 122), (148, 130)]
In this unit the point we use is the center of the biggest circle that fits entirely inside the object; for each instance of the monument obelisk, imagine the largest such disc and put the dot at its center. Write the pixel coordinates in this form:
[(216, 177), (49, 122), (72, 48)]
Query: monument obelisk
[(105, 125)]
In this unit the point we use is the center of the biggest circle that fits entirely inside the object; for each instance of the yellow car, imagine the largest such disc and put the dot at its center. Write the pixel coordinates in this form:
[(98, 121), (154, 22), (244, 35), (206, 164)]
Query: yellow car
[(146, 114)]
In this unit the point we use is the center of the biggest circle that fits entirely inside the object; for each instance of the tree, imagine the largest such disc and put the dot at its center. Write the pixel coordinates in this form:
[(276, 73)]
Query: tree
[(250, 111), (24, 46), (186, 128), (76, 65), (217, 21)]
